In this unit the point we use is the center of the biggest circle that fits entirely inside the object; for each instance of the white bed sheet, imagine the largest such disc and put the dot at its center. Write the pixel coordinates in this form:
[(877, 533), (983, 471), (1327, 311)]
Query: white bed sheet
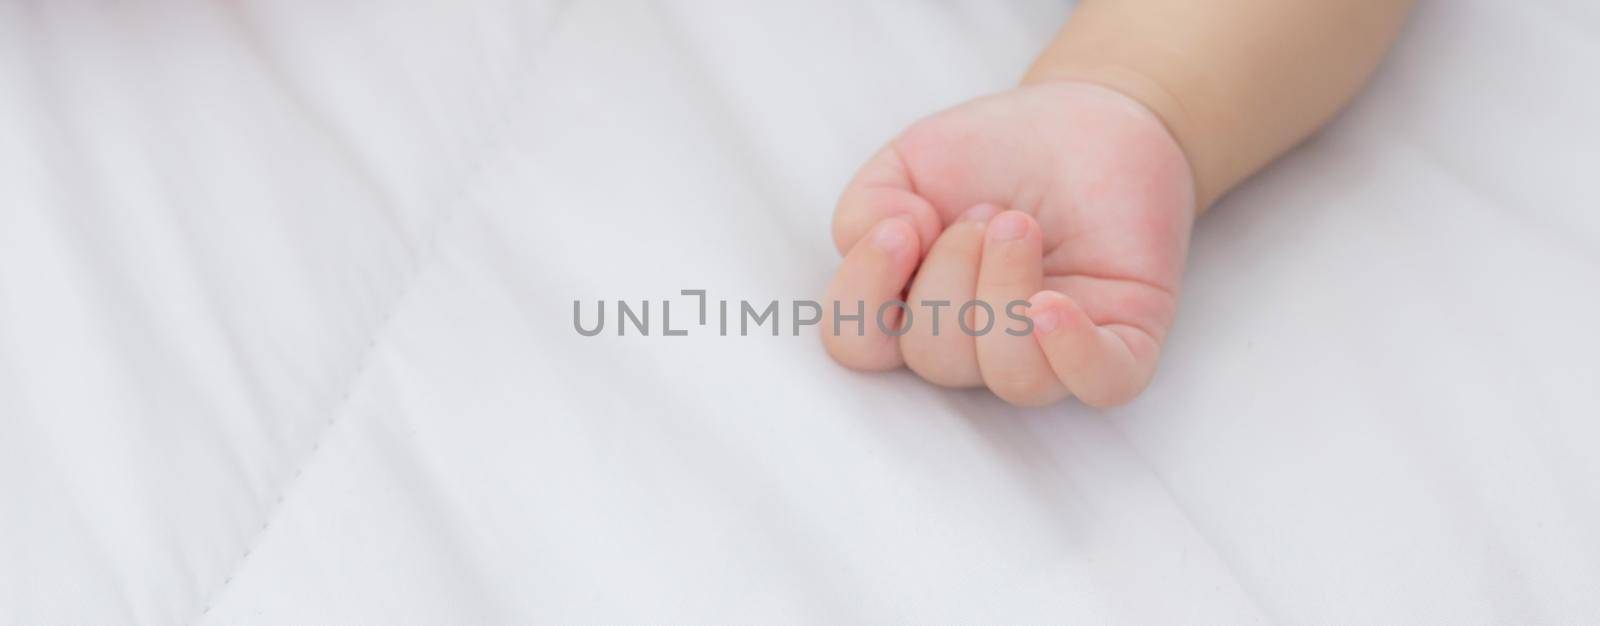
[(285, 332)]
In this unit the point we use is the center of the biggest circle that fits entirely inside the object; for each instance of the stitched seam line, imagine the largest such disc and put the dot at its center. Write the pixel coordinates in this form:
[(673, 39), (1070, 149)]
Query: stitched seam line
[(494, 149)]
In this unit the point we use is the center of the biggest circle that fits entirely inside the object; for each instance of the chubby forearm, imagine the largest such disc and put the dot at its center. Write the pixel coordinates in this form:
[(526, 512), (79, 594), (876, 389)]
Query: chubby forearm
[(1237, 82)]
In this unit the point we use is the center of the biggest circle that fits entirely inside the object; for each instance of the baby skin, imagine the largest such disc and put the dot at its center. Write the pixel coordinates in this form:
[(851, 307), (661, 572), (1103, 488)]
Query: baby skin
[(1077, 191)]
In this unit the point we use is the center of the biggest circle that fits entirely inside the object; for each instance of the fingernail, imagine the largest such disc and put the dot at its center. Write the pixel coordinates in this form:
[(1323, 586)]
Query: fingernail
[(1046, 321), (1008, 226), (889, 237), (979, 213)]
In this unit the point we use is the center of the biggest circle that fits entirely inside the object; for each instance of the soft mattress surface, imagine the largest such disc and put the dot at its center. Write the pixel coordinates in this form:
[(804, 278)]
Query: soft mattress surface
[(286, 332)]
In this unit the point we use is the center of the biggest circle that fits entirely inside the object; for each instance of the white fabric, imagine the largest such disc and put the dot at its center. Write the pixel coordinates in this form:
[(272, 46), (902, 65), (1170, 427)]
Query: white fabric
[(285, 332)]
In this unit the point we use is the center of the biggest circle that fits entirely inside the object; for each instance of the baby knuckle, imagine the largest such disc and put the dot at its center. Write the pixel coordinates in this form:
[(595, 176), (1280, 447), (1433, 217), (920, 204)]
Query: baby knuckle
[(855, 355), (943, 372), (1024, 389), (1106, 396)]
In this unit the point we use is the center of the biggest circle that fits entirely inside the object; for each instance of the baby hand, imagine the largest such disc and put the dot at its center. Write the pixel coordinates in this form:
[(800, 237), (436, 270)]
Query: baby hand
[(1067, 195)]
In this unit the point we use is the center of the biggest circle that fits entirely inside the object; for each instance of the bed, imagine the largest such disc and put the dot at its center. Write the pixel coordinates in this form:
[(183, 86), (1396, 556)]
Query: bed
[(286, 332)]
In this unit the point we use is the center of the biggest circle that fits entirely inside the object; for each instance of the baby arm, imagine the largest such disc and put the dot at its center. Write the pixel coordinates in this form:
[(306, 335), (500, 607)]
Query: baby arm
[(1237, 82), (1075, 193)]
